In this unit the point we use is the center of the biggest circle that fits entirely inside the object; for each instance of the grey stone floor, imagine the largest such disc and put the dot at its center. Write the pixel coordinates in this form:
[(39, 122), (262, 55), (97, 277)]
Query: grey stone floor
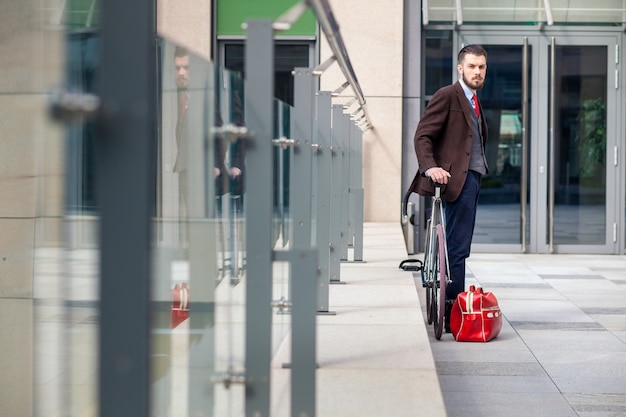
[(562, 348)]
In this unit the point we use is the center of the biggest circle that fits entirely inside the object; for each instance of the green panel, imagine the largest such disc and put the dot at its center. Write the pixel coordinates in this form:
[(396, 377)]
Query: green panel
[(82, 14), (231, 14)]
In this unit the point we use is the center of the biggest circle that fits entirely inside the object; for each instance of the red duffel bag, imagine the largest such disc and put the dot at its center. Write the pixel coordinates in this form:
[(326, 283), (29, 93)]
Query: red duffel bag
[(475, 316)]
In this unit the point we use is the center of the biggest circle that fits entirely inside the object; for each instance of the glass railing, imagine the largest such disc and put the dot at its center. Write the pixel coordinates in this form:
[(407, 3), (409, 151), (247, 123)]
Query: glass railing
[(199, 253), (282, 166), (281, 230), (201, 218)]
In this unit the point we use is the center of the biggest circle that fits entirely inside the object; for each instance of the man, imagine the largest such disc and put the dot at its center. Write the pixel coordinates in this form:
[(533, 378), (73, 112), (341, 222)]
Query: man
[(181, 74), (450, 147), (181, 68)]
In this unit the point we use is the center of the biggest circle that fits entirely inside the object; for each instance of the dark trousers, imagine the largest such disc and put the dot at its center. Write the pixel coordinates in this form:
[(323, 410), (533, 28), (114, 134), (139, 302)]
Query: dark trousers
[(460, 220)]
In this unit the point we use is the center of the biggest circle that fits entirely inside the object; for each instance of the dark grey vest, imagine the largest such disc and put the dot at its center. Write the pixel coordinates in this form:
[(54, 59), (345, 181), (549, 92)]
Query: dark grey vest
[(478, 162)]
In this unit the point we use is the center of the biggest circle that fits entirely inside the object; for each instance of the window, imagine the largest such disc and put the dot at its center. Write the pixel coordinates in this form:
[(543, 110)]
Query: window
[(438, 60), (286, 58)]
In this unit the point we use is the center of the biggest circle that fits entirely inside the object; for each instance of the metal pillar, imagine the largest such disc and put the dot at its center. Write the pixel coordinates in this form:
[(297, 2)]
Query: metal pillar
[(300, 177), (335, 194), (323, 158), (304, 331), (303, 262), (356, 190), (125, 186), (346, 237), (259, 91)]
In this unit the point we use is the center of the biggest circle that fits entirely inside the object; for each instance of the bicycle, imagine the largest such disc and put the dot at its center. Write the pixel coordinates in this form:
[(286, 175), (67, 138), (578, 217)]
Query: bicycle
[(435, 269)]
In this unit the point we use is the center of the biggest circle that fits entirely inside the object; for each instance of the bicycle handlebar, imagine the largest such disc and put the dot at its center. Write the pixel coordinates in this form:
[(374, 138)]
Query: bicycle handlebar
[(407, 195), (404, 213)]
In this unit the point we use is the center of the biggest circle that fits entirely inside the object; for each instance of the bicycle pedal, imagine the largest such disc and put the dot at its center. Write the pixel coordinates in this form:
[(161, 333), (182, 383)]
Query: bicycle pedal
[(405, 265)]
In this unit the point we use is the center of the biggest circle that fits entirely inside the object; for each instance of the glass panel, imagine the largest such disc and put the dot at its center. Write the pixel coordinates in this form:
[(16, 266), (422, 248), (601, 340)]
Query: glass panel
[(583, 11), (81, 270), (229, 173), (282, 158), (286, 58), (281, 226), (49, 302), (503, 11), (438, 60), (281, 321), (580, 145), (82, 14), (527, 11), (499, 213), (199, 256), (442, 11), (83, 55)]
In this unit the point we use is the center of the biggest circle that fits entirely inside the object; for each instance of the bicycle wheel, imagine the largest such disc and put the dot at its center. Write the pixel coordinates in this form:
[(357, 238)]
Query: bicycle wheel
[(427, 273), (440, 283)]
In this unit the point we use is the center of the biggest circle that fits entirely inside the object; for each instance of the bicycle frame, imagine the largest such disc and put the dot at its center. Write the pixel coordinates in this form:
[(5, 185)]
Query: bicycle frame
[(437, 216), (436, 266)]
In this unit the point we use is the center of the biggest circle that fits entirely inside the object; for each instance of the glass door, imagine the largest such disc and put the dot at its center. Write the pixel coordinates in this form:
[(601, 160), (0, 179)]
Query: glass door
[(582, 139), (503, 217), (552, 182)]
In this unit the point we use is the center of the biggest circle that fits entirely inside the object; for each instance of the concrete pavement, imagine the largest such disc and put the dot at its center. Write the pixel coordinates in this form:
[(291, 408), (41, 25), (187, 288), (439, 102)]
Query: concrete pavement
[(561, 351)]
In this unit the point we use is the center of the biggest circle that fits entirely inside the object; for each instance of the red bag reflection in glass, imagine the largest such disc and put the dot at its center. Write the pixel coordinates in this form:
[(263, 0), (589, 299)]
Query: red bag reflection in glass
[(475, 316), (180, 304)]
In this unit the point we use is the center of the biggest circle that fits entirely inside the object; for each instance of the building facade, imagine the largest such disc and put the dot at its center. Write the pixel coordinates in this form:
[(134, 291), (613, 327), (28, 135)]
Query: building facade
[(553, 100)]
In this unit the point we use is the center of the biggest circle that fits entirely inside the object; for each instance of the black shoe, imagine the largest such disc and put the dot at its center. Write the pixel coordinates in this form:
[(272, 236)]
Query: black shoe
[(446, 318)]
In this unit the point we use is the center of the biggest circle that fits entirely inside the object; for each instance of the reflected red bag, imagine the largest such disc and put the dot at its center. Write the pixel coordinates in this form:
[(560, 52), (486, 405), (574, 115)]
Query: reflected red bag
[(180, 304), (475, 316)]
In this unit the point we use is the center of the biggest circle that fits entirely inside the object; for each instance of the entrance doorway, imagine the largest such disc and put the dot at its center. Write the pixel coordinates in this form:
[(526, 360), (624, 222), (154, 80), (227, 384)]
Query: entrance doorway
[(551, 104)]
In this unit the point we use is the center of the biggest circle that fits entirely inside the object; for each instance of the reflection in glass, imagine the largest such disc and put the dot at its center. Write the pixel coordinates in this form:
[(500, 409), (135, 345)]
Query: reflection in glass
[(281, 320), (438, 60), (81, 267), (499, 213), (580, 145), (199, 252), (287, 56)]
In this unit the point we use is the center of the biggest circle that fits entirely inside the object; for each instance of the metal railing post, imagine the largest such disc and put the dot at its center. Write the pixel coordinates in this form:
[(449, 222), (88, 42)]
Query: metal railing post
[(301, 162), (356, 190), (125, 184), (259, 93), (346, 238), (303, 262), (323, 158), (335, 194)]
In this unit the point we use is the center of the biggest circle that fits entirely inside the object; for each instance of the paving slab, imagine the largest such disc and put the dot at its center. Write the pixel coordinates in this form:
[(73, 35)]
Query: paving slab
[(561, 351)]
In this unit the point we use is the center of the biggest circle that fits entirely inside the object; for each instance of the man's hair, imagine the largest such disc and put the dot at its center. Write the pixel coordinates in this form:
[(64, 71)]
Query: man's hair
[(179, 51), (471, 49)]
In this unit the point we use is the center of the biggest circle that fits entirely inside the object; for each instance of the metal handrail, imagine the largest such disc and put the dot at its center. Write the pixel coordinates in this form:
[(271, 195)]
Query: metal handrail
[(324, 14), (326, 19)]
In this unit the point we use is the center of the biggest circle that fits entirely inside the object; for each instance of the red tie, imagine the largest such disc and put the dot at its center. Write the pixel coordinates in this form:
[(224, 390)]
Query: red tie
[(476, 108)]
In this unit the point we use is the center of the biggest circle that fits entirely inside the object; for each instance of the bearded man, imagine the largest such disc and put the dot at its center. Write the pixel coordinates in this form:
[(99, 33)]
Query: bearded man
[(450, 147)]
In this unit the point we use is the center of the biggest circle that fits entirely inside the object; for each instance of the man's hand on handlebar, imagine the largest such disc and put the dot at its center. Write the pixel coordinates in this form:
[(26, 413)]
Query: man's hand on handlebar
[(438, 175)]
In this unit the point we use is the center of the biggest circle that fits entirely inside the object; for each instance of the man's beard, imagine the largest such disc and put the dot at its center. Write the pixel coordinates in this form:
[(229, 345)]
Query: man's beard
[(181, 83), (475, 84)]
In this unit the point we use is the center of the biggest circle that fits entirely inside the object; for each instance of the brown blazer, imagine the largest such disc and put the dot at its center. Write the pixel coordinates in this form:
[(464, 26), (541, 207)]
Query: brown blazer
[(444, 139)]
